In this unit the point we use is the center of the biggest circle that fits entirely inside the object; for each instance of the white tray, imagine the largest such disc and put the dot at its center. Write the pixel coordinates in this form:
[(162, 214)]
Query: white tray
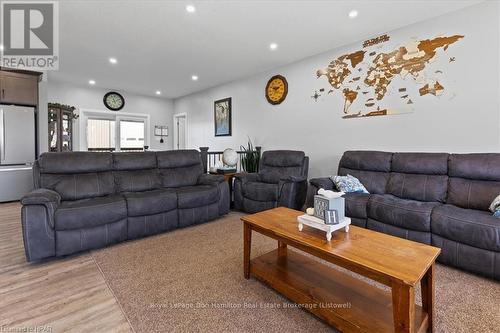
[(316, 223)]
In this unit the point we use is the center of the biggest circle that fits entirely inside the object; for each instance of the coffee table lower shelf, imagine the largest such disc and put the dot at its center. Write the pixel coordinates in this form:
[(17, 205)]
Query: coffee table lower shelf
[(348, 303)]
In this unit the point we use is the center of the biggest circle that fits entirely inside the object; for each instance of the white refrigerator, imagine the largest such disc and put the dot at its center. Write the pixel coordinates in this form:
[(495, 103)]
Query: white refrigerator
[(17, 151), (17, 135)]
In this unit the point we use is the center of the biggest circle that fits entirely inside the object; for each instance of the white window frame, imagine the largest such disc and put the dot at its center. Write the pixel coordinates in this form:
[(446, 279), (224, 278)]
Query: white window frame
[(111, 115)]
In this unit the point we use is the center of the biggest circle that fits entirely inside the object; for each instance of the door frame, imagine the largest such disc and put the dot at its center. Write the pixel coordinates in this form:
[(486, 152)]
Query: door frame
[(180, 115), (112, 115)]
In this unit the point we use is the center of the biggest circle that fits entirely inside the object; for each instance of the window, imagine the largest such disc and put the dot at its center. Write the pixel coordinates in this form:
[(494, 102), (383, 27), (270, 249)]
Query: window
[(100, 134), (118, 131), (131, 135)]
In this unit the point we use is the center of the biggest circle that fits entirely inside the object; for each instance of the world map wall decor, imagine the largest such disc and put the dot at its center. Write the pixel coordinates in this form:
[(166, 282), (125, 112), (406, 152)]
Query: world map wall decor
[(381, 80)]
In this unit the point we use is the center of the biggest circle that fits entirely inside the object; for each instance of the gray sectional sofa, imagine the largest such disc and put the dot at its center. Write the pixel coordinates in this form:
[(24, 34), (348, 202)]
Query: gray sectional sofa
[(281, 181), (85, 200), (433, 198)]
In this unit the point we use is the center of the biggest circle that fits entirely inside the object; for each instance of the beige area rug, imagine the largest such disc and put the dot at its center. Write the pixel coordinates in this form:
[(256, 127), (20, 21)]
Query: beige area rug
[(191, 280)]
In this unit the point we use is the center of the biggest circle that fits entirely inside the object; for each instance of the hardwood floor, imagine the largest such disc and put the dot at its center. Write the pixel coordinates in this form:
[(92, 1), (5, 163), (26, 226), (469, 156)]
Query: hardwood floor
[(63, 295)]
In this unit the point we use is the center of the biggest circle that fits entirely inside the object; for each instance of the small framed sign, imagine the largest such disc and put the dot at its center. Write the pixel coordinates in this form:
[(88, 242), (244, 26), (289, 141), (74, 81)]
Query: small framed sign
[(331, 217), (161, 130)]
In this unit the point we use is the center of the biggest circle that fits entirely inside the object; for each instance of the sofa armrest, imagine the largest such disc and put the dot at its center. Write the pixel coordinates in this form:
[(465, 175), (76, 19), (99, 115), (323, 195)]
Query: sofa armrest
[(292, 192), (37, 216), (247, 177), (325, 183), (292, 179), (314, 185), (41, 196), (208, 179)]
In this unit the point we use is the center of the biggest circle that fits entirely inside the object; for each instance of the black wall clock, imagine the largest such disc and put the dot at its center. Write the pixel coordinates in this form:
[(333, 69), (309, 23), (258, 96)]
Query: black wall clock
[(114, 101)]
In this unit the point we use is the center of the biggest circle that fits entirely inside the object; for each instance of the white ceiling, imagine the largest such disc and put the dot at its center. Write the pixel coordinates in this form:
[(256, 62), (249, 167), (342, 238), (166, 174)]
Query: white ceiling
[(159, 45)]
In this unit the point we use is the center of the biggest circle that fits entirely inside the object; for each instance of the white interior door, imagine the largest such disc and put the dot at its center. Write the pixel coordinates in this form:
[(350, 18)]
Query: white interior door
[(180, 131)]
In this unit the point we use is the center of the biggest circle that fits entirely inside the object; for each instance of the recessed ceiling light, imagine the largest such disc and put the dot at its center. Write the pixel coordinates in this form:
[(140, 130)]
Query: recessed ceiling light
[(158, 92), (194, 77), (273, 46), (190, 8), (113, 60), (353, 13), (91, 82)]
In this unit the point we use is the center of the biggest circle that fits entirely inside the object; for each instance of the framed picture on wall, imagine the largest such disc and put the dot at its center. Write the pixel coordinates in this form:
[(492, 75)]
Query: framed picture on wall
[(222, 117)]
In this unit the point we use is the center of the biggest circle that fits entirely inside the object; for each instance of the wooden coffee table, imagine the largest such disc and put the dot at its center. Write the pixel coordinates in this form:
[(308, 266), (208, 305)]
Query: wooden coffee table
[(346, 302)]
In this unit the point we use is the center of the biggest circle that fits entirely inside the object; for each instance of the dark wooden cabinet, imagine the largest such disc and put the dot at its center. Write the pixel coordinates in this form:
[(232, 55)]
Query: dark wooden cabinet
[(18, 88), (60, 127)]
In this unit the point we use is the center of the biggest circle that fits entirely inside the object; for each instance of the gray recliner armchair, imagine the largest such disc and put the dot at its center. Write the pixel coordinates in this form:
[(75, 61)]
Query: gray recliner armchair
[(281, 181)]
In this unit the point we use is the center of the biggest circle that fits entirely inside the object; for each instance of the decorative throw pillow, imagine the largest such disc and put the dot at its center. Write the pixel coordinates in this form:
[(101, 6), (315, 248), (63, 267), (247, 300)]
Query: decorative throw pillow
[(495, 206), (348, 184)]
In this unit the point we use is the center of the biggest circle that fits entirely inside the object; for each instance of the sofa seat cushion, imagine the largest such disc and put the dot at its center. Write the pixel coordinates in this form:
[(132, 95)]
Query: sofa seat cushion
[(403, 213), (197, 196), (150, 202), (468, 226), (258, 191), (88, 213), (355, 204)]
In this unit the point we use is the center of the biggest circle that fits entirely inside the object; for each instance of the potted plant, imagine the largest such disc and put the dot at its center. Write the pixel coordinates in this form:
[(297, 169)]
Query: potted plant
[(250, 159)]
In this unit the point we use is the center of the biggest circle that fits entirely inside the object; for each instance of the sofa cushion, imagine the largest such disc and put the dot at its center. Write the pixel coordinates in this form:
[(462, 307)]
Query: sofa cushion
[(475, 166), (370, 167), (197, 196), (75, 162), (472, 194), (355, 205), (283, 158), (419, 176), (178, 158), (179, 167), (271, 177), (134, 161), (475, 180), (276, 164), (403, 213), (88, 213), (366, 160), (137, 180), (150, 202), (374, 181), (420, 163), (260, 191), (473, 227), (79, 186), (418, 187)]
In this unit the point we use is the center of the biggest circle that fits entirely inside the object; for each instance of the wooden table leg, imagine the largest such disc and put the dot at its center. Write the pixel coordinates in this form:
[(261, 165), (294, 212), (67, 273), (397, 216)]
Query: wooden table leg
[(247, 246), (281, 249), (428, 296), (403, 307)]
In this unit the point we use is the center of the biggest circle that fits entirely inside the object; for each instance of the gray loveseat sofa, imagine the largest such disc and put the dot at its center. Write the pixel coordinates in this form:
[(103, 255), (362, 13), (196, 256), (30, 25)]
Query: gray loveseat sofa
[(281, 181), (433, 198), (85, 200)]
